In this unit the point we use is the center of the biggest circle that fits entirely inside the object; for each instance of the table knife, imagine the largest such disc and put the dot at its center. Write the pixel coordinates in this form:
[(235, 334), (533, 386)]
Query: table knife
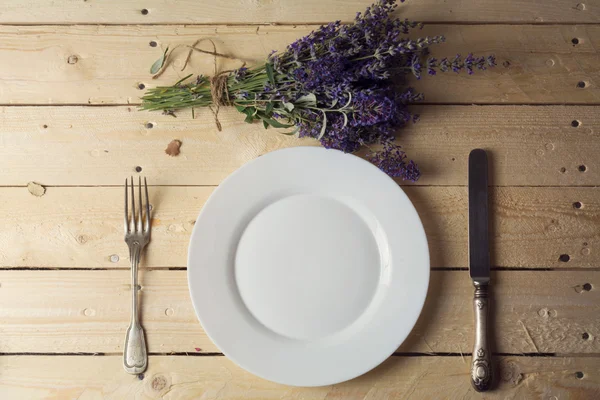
[(479, 267)]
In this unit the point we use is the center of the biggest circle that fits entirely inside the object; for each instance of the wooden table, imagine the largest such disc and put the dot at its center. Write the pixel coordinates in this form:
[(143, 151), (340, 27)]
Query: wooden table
[(70, 81)]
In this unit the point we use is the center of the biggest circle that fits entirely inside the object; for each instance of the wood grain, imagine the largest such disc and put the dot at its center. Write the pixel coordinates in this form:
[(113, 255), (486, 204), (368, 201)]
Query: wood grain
[(100, 145), (288, 11), (106, 64), (44, 377), (88, 311), (81, 227)]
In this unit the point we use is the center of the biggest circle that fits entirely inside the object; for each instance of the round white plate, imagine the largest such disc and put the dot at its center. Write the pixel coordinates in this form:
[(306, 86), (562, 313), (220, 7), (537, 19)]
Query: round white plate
[(308, 266)]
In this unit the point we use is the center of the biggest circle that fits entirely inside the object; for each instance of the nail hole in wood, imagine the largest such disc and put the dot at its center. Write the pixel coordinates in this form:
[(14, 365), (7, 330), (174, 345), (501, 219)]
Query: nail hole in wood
[(138, 169), (141, 86), (72, 59), (153, 43), (149, 125), (577, 205), (564, 258), (453, 159), (45, 126), (587, 287), (575, 123), (563, 170), (581, 84), (582, 168), (585, 336), (141, 377), (579, 375), (575, 41), (144, 11)]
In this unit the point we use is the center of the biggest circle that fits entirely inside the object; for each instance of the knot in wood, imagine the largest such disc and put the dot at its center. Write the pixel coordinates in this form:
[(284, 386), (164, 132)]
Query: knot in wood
[(159, 382)]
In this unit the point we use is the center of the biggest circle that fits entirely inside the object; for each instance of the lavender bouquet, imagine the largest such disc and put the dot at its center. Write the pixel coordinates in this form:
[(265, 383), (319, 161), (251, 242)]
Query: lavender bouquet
[(339, 84)]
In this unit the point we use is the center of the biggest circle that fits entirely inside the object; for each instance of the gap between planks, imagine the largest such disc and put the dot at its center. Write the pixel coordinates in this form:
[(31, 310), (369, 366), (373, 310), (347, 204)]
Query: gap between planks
[(290, 24), (425, 103), (185, 269), (191, 354)]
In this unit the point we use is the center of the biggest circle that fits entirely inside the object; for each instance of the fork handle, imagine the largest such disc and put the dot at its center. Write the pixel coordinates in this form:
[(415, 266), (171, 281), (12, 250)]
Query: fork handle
[(135, 356)]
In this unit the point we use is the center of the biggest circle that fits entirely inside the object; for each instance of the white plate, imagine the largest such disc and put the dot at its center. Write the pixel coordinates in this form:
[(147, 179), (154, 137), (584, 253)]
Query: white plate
[(308, 266)]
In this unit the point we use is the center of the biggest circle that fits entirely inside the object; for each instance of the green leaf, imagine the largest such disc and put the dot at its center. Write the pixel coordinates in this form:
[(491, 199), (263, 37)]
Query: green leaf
[(291, 133), (273, 122), (288, 106), (307, 100), (250, 112), (265, 124), (269, 108), (249, 119), (182, 79), (324, 127), (270, 74), (158, 64), (240, 108)]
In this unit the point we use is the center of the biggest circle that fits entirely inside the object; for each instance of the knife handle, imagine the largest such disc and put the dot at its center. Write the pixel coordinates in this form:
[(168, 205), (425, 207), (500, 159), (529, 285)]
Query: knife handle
[(481, 367)]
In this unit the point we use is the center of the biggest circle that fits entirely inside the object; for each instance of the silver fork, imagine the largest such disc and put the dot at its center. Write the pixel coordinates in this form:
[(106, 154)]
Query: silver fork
[(137, 236)]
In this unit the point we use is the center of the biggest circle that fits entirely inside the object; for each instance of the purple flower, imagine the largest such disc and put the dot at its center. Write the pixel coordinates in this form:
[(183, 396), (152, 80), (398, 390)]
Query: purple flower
[(392, 161), (240, 74), (431, 65)]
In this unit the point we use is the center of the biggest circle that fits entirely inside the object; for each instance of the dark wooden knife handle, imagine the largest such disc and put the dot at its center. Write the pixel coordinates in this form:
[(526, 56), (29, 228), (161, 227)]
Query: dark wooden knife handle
[(481, 366)]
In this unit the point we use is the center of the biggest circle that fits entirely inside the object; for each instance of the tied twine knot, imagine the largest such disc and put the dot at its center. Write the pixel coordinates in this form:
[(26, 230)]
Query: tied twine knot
[(219, 93)]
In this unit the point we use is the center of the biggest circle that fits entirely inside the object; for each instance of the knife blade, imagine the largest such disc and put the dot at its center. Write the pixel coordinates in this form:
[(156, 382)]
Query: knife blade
[(479, 250), (479, 267)]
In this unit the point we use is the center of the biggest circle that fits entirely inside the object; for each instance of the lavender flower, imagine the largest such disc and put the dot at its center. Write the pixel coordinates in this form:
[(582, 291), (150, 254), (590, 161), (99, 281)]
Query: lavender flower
[(334, 85)]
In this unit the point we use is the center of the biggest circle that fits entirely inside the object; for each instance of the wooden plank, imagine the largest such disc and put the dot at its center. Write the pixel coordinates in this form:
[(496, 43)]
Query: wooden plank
[(53, 311), (71, 145), (106, 64), (81, 227), (48, 377), (288, 11)]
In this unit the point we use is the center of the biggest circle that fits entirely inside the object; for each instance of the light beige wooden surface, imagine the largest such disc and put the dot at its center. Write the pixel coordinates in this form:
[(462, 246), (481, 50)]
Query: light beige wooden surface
[(529, 145), (81, 227), (176, 378), (69, 86), (106, 64), (549, 316), (289, 11)]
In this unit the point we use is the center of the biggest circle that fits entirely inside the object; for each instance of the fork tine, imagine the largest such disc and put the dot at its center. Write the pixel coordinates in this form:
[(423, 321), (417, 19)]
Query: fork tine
[(147, 225), (133, 227), (126, 215), (139, 222)]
